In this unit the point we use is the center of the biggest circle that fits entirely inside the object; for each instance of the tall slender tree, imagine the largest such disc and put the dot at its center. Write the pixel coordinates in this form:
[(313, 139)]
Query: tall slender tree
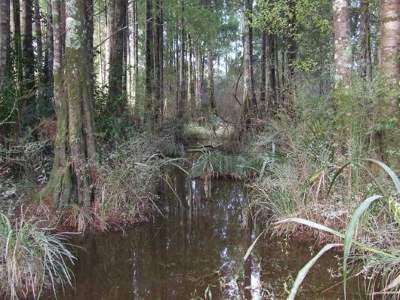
[(342, 40), (28, 56), (4, 41), (249, 97), (149, 81), (117, 32), (365, 41)]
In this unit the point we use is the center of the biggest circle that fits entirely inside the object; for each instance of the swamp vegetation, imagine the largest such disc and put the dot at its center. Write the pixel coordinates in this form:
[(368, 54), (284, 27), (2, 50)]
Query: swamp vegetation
[(199, 149)]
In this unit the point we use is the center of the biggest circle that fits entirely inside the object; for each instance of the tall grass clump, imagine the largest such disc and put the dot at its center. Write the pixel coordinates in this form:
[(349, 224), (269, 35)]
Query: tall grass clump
[(127, 183), (216, 164), (32, 259)]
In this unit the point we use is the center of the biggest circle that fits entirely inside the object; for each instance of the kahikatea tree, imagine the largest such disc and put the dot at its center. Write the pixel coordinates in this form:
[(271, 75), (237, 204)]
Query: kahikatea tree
[(342, 42), (73, 174), (117, 33), (390, 39), (28, 62), (4, 41), (249, 97)]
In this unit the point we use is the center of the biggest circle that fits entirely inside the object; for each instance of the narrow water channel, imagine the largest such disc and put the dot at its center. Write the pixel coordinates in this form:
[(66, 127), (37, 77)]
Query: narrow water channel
[(196, 252)]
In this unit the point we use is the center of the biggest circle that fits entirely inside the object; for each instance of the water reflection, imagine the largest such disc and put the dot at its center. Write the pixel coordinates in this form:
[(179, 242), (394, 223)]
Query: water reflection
[(198, 247)]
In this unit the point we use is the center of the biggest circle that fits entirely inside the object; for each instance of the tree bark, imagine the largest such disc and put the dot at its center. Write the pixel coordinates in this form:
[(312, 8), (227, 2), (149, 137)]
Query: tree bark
[(157, 65), (4, 42), (117, 28), (343, 53), (199, 76), (389, 49), (249, 97), (49, 52), (263, 70), (149, 81), (27, 47), (365, 41), (291, 57), (73, 175)]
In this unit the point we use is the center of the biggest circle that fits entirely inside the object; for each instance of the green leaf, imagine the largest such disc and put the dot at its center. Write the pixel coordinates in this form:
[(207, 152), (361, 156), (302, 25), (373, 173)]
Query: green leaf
[(248, 252), (350, 232), (389, 171)]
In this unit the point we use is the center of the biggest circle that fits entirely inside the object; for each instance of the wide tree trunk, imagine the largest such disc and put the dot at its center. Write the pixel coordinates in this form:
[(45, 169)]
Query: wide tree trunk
[(73, 175), (389, 49), (117, 32), (342, 51), (4, 41)]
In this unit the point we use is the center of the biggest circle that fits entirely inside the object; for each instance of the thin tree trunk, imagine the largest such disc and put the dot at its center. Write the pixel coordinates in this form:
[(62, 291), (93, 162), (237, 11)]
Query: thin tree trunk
[(342, 59), (49, 53), (4, 41), (272, 95), (149, 66), (117, 29), (157, 66), (38, 36), (199, 78), (249, 98), (263, 70), (365, 41), (28, 62), (291, 56), (192, 80)]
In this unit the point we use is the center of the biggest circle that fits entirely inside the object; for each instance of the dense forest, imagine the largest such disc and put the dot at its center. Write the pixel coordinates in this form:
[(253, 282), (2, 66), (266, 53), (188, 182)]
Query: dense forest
[(109, 107)]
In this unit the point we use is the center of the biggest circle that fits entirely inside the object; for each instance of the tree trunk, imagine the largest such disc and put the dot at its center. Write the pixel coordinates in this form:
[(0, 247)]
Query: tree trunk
[(191, 80), (149, 66), (272, 95), (210, 62), (28, 63), (73, 175), (157, 65), (38, 36), (17, 43), (249, 97), (117, 28), (291, 57), (389, 49), (365, 41), (342, 59), (263, 70), (182, 100), (199, 77), (49, 52), (4, 41)]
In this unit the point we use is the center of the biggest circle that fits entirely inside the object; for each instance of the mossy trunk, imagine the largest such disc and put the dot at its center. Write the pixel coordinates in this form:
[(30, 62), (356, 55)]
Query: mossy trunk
[(73, 175)]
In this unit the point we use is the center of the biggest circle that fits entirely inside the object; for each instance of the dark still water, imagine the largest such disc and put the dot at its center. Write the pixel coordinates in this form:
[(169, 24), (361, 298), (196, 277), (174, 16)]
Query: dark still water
[(196, 252)]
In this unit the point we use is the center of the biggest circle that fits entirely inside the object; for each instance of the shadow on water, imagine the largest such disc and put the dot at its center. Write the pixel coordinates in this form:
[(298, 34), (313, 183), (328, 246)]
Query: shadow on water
[(196, 251)]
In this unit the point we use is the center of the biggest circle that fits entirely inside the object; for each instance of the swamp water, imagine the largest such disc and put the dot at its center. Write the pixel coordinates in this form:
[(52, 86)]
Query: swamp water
[(196, 252)]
